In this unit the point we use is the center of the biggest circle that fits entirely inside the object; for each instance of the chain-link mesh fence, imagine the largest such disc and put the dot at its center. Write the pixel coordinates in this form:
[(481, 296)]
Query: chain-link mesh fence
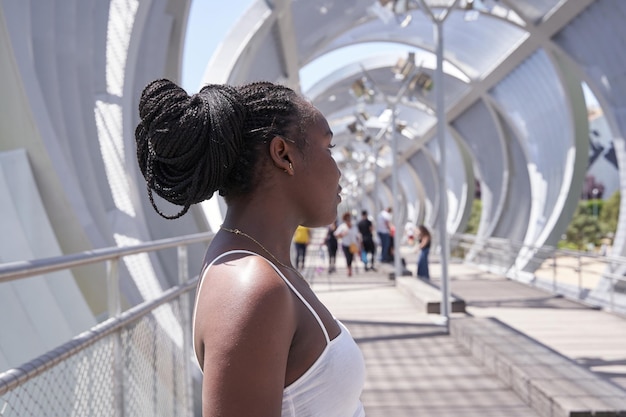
[(127, 366)]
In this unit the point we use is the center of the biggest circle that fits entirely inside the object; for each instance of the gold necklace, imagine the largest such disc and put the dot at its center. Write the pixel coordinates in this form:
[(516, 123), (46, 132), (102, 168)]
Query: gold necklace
[(239, 232)]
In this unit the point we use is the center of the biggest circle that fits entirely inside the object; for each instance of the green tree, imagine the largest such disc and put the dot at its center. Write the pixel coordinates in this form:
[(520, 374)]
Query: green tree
[(584, 228), (609, 214), (474, 220)]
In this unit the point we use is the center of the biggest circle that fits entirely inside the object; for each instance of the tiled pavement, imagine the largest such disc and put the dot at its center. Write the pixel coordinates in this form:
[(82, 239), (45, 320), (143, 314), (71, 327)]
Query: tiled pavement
[(415, 368)]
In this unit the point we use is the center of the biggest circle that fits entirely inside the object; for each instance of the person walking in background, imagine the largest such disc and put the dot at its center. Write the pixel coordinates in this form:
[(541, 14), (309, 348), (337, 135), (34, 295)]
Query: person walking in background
[(261, 336), (366, 229), (392, 243), (349, 235), (423, 239), (331, 244), (383, 228), (301, 240)]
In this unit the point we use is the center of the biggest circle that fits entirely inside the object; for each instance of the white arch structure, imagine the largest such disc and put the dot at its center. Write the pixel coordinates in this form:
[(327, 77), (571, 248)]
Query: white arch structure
[(72, 72)]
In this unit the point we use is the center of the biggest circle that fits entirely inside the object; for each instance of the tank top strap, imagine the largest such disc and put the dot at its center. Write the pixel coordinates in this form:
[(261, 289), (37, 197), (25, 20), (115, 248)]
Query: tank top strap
[(305, 302), (280, 274)]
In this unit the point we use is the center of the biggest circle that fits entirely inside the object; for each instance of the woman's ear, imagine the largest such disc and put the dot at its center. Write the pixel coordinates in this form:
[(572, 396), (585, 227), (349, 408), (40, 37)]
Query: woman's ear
[(281, 154)]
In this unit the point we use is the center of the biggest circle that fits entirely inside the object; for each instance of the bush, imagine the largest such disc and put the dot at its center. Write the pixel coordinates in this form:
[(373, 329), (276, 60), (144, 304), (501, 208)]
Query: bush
[(474, 220), (592, 221), (609, 214)]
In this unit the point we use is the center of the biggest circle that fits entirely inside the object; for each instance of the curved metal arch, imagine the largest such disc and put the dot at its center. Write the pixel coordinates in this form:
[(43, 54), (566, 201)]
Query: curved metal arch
[(577, 159), (532, 91), (407, 184), (412, 183), (488, 152), (467, 160), (509, 223), (456, 180), (373, 30), (597, 67), (425, 167)]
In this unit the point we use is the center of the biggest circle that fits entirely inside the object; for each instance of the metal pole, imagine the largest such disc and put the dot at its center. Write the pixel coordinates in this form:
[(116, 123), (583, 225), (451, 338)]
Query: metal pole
[(580, 276), (396, 197), (113, 288), (443, 203), (186, 322), (554, 271), (115, 309), (377, 203)]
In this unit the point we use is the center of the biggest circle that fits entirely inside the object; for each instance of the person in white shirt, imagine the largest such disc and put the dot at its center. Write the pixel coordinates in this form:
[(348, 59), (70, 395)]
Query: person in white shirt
[(383, 228), (350, 240)]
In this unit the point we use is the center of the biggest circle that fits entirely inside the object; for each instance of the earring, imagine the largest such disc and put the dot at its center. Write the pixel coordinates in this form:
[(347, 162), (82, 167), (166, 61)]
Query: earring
[(290, 166)]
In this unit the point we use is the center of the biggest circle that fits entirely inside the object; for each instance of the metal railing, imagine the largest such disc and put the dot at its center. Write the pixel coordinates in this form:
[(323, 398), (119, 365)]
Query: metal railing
[(593, 278), (132, 364)]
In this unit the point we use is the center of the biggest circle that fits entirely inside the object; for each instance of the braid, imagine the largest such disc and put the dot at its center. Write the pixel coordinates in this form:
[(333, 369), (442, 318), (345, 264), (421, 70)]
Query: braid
[(188, 147), (272, 110)]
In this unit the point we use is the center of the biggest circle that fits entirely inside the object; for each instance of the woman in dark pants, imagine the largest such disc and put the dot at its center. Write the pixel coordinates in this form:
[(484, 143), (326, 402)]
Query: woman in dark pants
[(331, 244), (423, 237)]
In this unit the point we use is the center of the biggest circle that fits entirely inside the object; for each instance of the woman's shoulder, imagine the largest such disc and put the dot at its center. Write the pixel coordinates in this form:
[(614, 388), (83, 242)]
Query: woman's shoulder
[(244, 272), (243, 283), (244, 310)]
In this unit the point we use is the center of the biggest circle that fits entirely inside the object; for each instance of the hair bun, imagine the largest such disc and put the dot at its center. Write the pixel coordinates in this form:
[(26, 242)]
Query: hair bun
[(186, 146)]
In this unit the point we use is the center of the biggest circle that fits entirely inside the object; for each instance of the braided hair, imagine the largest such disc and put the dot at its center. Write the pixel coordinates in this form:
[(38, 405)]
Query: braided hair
[(189, 147)]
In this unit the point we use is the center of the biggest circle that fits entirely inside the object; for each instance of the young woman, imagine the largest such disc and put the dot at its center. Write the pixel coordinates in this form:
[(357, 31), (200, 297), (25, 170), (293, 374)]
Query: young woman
[(350, 241), (423, 237), (301, 239), (266, 345), (332, 245)]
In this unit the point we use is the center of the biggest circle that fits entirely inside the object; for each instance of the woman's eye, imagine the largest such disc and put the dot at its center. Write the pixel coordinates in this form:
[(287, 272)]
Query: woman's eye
[(332, 145)]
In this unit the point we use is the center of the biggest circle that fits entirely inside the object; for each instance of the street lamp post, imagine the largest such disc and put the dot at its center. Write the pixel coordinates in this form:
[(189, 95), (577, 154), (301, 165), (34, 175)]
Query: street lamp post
[(441, 126), (391, 106), (443, 203), (396, 195), (445, 7), (377, 148)]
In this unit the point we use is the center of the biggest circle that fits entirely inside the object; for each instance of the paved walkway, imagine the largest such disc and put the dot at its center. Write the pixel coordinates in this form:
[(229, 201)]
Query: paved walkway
[(593, 338), (414, 368)]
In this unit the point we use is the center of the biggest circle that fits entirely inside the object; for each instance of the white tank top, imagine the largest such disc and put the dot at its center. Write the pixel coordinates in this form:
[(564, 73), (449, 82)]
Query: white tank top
[(332, 386)]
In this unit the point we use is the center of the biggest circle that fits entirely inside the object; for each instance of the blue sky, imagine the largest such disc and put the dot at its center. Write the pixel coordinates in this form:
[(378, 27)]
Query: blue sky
[(208, 25), (209, 22)]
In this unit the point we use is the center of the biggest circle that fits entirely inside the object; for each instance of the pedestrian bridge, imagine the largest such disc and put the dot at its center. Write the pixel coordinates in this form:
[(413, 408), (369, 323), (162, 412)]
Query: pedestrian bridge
[(520, 348)]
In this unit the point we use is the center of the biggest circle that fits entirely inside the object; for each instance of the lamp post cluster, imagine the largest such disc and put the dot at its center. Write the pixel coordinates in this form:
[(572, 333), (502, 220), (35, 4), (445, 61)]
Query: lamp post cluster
[(365, 90)]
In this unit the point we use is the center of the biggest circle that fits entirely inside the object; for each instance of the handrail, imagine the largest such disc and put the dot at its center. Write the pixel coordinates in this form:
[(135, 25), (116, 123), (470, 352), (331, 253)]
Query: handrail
[(503, 245), (16, 377), (17, 270), (13, 377), (21, 269), (570, 273)]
